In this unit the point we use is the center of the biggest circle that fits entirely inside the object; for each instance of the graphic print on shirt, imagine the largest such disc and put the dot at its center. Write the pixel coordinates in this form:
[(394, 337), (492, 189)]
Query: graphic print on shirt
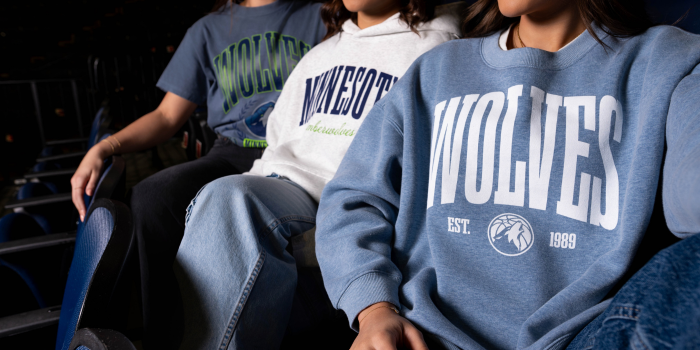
[(450, 130), (359, 89), (510, 234), (241, 75)]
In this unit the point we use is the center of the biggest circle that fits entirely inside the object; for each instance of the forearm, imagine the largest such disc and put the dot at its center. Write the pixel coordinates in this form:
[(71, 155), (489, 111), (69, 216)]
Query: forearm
[(146, 132), (151, 129)]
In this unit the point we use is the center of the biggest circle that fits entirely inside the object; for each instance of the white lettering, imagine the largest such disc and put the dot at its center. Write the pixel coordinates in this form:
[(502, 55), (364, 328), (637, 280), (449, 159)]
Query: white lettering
[(433, 160), (450, 160), (539, 172), (503, 195), (608, 105), (573, 149), (473, 195)]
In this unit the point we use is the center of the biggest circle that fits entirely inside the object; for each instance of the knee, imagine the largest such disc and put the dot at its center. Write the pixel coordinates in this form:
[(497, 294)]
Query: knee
[(226, 189)]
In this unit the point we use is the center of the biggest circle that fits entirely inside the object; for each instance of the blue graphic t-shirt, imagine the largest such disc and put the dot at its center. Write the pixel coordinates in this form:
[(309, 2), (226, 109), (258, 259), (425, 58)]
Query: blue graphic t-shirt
[(237, 61)]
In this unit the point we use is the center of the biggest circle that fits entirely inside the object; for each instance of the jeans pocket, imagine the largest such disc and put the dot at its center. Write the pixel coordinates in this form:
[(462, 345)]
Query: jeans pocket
[(188, 211)]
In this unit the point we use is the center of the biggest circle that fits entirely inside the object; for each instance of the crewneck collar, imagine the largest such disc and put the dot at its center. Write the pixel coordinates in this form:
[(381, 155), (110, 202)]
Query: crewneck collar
[(536, 58), (242, 11)]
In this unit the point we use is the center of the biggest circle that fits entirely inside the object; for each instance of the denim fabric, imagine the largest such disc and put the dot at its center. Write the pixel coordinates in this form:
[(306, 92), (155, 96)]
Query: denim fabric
[(658, 308), (236, 274), (158, 205)]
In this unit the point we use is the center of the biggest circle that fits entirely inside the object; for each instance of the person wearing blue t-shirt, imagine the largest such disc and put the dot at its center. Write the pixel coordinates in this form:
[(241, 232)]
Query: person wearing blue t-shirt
[(236, 61), (497, 194)]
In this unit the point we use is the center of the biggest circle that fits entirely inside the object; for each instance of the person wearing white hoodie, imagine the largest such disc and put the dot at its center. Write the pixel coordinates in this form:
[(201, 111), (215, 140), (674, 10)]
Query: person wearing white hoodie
[(236, 274)]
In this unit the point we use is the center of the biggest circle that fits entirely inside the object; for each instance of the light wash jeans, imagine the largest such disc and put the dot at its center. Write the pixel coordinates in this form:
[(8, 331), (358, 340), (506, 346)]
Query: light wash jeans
[(236, 275)]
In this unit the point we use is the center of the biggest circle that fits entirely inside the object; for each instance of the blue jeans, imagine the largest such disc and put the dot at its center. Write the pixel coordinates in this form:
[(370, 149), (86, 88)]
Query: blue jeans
[(658, 308), (236, 275)]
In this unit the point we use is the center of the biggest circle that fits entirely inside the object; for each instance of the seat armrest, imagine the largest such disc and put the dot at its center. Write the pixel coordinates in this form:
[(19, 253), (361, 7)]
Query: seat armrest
[(50, 173), (61, 157), (66, 141), (40, 200), (29, 320), (36, 242)]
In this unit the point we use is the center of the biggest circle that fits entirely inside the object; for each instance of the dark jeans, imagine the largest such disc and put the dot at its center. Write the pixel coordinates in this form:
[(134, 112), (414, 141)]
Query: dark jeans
[(158, 205), (658, 308)]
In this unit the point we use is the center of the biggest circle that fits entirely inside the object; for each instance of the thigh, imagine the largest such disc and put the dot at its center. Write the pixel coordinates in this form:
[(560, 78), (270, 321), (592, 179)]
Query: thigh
[(235, 273), (248, 203), (169, 191)]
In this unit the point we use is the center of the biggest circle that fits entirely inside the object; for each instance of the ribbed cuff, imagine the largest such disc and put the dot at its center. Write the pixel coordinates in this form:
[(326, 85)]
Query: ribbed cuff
[(367, 290)]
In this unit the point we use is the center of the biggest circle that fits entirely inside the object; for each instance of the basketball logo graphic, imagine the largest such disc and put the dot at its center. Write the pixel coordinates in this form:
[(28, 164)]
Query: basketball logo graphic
[(257, 122), (510, 234)]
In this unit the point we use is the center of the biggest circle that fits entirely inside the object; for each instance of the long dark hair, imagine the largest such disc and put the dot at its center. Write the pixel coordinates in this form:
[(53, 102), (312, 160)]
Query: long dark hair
[(413, 12), (620, 18)]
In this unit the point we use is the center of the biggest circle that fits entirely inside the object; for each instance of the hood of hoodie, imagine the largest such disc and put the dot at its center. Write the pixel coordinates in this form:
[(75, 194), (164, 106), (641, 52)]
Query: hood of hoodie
[(446, 19)]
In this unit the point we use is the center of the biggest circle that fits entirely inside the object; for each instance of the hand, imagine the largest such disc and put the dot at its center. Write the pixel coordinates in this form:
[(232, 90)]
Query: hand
[(85, 178), (383, 329)]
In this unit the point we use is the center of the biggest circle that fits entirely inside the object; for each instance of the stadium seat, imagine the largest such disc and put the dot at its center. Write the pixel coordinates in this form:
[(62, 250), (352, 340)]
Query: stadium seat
[(37, 263), (42, 193), (100, 339), (95, 293)]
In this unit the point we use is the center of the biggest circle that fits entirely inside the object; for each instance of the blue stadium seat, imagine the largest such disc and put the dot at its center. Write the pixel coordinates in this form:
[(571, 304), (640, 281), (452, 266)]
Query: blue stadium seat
[(95, 295), (100, 339)]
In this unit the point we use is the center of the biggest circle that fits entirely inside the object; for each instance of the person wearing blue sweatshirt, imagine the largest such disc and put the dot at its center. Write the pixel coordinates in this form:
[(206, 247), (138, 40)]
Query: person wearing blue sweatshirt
[(499, 192)]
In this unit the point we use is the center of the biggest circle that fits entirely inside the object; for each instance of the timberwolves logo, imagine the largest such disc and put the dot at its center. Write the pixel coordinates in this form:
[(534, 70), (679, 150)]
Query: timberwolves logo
[(510, 234), (257, 122)]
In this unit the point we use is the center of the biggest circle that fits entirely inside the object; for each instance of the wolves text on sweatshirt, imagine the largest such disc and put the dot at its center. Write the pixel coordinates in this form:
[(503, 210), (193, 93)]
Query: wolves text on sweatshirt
[(497, 196)]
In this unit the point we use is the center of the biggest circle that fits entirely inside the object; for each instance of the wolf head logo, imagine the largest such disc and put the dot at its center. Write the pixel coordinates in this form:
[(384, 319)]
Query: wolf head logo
[(257, 122), (510, 234)]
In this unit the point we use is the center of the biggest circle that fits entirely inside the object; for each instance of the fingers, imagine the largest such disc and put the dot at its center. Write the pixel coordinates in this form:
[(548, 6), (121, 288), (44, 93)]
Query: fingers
[(376, 342), (413, 338), (78, 185), (90, 189)]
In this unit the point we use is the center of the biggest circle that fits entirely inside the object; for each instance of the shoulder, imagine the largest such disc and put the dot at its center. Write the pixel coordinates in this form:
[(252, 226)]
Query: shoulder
[(663, 37), (459, 49), (665, 48), (207, 23), (671, 33)]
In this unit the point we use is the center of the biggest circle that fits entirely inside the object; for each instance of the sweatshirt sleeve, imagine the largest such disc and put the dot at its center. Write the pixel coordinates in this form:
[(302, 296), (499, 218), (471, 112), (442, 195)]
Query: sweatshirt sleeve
[(681, 177), (356, 217)]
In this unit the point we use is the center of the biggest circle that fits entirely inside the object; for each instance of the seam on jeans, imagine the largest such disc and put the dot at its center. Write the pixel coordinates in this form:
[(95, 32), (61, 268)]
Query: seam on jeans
[(278, 222), (188, 211), (241, 302), (634, 316)]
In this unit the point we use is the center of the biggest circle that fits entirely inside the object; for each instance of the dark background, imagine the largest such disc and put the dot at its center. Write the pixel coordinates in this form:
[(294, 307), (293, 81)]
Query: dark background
[(113, 49)]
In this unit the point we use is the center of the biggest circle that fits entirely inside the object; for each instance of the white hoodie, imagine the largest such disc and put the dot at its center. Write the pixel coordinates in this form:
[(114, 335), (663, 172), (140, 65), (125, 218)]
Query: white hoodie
[(333, 88)]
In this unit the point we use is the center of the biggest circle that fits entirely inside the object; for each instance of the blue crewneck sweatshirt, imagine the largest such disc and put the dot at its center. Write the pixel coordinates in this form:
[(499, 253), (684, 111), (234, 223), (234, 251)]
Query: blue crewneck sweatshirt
[(497, 196)]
